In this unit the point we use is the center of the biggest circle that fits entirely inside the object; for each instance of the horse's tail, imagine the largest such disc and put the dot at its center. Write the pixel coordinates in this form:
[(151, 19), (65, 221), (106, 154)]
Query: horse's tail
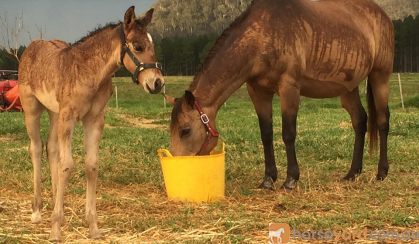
[(372, 119)]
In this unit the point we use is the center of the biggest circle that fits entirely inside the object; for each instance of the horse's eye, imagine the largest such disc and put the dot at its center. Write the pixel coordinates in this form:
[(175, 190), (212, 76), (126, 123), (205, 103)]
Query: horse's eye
[(137, 47), (184, 132)]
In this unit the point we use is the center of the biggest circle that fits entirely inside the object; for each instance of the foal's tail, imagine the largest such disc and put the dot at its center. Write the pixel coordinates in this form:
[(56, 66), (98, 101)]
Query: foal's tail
[(372, 119)]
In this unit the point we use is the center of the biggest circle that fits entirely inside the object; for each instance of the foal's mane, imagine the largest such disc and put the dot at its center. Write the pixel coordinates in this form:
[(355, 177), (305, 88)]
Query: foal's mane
[(95, 31), (220, 41)]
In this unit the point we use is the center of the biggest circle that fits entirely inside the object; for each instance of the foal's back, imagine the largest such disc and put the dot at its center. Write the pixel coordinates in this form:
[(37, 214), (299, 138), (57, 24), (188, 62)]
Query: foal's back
[(41, 70)]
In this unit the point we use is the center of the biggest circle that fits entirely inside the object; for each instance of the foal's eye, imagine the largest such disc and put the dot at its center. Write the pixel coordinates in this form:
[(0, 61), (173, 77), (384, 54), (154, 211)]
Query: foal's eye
[(137, 47), (184, 132)]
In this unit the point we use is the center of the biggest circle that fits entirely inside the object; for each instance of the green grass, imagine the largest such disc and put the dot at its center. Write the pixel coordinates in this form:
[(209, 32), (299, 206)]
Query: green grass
[(131, 200)]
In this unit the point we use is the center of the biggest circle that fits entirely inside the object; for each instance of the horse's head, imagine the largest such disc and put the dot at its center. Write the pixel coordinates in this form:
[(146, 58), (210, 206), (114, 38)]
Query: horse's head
[(192, 132), (137, 52)]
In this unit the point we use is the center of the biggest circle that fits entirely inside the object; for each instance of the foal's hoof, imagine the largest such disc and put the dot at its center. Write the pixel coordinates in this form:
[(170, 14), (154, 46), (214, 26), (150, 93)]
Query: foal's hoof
[(267, 183), (36, 217), (290, 184), (55, 237), (95, 234)]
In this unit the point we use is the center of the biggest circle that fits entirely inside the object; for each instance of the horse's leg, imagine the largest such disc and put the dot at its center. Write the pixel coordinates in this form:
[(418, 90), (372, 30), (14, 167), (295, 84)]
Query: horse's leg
[(262, 101), (66, 122), (32, 112), (93, 124), (352, 104), (93, 127), (290, 100), (52, 150), (378, 80)]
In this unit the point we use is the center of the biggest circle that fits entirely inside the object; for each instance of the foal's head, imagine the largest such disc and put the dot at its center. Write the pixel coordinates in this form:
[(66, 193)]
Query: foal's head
[(137, 52), (189, 133)]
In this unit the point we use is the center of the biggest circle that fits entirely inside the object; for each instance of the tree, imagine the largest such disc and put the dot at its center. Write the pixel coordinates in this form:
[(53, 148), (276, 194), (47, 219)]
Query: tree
[(11, 34)]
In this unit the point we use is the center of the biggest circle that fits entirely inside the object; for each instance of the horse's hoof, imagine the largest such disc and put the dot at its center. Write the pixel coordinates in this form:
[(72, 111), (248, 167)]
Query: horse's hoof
[(36, 217), (381, 176), (350, 177), (290, 184), (55, 237), (267, 183), (95, 234)]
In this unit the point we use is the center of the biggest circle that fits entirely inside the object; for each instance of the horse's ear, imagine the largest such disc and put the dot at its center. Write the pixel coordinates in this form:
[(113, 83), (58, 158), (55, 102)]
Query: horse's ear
[(145, 21), (129, 18), (170, 100), (189, 98)]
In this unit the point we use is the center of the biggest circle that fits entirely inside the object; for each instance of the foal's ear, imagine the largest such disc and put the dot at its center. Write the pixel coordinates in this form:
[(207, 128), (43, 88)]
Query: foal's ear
[(189, 98), (170, 100), (129, 18), (145, 21)]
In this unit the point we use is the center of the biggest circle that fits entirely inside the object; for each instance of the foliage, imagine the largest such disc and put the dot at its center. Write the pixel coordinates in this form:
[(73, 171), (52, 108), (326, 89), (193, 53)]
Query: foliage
[(407, 44)]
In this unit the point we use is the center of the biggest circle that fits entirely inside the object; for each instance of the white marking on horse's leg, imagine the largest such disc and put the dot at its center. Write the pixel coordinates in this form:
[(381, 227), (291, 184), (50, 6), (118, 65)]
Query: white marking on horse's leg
[(93, 127), (65, 127), (149, 37)]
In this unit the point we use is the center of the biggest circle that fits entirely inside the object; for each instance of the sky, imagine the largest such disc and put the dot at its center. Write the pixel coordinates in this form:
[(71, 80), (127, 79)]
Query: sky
[(67, 20)]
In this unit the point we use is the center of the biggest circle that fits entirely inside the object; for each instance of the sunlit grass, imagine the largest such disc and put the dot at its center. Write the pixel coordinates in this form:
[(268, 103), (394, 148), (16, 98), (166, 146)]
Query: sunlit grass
[(131, 197)]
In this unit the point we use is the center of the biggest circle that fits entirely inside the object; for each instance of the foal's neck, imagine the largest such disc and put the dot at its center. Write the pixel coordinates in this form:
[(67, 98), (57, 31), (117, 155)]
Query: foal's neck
[(100, 54)]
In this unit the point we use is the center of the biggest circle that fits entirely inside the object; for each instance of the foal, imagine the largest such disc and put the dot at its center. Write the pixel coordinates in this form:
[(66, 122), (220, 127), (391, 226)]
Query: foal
[(73, 83)]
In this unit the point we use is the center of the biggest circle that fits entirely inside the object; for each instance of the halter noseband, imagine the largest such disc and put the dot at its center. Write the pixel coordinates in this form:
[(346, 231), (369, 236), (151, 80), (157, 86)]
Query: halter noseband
[(140, 66), (211, 132)]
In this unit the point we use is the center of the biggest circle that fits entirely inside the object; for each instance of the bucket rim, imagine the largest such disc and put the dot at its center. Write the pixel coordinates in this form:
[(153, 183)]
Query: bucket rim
[(165, 153)]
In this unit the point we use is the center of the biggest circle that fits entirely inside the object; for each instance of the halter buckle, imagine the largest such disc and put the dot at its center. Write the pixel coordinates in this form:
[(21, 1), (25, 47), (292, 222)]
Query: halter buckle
[(204, 118)]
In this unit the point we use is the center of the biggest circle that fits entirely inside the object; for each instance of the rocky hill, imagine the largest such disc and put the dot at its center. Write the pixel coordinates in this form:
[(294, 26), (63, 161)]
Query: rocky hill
[(198, 17)]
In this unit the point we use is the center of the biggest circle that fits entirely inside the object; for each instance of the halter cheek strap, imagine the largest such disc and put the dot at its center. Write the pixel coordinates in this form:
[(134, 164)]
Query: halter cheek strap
[(139, 66), (211, 132)]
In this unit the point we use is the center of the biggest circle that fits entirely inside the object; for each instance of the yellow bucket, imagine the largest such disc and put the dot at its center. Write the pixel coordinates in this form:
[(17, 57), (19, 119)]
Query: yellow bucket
[(194, 178)]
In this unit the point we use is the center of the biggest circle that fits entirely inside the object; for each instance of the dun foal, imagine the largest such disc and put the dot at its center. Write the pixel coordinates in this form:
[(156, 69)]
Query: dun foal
[(73, 83)]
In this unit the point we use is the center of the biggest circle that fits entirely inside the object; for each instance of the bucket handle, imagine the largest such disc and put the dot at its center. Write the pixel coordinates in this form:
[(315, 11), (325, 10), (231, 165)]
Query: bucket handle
[(164, 153)]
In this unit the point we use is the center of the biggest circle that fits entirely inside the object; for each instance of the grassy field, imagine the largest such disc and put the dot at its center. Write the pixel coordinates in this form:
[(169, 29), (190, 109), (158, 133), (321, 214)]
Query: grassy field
[(132, 204)]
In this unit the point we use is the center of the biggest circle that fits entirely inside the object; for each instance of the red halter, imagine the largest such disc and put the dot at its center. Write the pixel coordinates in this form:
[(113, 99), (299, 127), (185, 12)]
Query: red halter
[(211, 132)]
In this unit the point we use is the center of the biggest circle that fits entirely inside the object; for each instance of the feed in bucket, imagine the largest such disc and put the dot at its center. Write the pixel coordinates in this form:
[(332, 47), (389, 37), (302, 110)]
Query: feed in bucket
[(194, 178)]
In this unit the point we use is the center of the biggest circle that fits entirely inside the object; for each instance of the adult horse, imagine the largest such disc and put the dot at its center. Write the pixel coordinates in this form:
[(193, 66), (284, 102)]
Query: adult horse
[(317, 49), (73, 83)]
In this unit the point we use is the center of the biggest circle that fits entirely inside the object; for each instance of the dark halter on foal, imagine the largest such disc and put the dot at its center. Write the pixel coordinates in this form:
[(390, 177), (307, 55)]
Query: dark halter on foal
[(140, 66), (211, 132)]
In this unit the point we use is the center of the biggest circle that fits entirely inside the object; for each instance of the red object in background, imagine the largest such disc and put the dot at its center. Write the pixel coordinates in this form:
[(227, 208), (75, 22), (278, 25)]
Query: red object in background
[(9, 96)]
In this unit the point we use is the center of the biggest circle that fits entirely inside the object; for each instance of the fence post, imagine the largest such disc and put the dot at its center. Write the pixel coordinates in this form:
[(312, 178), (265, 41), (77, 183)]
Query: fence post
[(401, 90), (116, 97)]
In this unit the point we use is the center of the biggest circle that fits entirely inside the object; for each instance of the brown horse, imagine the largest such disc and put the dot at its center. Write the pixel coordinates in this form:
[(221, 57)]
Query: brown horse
[(73, 83), (317, 49)]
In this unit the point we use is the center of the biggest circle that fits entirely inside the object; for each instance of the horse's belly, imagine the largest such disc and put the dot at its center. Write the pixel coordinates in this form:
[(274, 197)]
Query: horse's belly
[(324, 89), (48, 98)]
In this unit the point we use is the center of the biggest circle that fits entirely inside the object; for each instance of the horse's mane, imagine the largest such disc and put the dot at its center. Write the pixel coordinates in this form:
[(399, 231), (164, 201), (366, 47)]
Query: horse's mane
[(95, 31), (220, 41)]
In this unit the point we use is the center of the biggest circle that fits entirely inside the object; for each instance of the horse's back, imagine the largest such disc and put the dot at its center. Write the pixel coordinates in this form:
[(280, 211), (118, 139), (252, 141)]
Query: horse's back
[(39, 70), (337, 43)]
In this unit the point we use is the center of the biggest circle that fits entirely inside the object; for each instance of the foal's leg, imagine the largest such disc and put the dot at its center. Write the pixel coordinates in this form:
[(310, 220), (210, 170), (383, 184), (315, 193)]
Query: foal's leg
[(52, 150), (290, 101), (93, 127), (32, 112), (352, 104), (93, 124), (66, 122), (262, 101), (380, 91)]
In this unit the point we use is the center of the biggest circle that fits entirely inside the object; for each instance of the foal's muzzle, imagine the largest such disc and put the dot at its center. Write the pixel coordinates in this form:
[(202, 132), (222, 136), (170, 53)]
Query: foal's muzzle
[(158, 86)]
